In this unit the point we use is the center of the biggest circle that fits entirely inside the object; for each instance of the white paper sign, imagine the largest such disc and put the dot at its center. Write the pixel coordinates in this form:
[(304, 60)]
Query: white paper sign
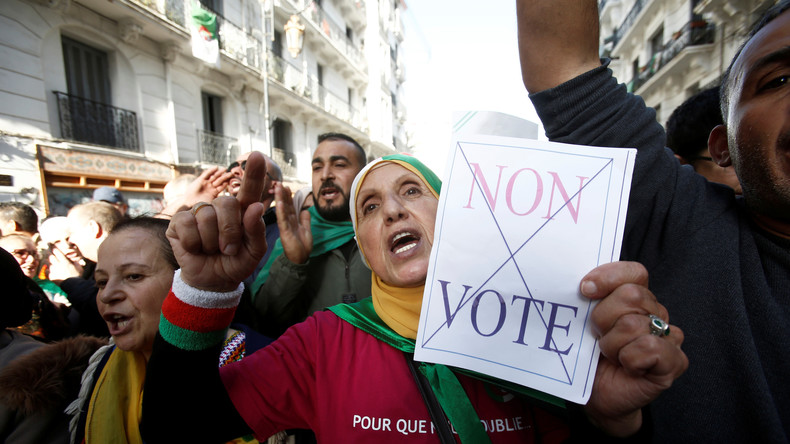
[(520, 222)]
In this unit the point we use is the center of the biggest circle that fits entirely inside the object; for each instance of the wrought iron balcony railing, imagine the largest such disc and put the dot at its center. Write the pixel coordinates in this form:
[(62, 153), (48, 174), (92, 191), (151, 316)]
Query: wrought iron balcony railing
[(217, 149), (306, 86), (84, 120), (237, 43), (629, 20), (694, 33), (287, 74), (286, 160)]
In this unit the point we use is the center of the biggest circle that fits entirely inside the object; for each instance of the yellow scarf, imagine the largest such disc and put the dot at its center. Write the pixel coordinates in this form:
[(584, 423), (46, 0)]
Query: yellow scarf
[(398, 307), (116, 404)]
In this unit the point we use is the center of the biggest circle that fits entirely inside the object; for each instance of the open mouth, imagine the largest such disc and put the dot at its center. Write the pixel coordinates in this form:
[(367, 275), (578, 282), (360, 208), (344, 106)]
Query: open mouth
[(117, 323), (403, 242), (329, 193)]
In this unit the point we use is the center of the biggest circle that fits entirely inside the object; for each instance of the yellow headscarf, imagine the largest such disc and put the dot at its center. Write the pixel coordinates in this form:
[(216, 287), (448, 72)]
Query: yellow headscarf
[(398, 307)]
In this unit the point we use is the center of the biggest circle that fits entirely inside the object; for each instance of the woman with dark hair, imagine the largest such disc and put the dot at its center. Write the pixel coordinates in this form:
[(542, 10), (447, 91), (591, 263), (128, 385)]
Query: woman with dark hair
[(134, 274)]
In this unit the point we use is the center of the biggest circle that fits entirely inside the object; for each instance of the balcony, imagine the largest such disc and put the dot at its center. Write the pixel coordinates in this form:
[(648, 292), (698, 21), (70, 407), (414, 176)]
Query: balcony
[(338, 107), (234, 41), (84, 120), (694, 33), (286, 160), (287, 74), (217, 149), (354, 11), (334, 32), (308, 88), (629, 20)]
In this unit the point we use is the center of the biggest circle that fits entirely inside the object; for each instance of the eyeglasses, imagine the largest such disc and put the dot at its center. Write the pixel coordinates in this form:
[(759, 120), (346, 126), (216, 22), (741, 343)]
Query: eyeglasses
[(22, 254), (243, 165)]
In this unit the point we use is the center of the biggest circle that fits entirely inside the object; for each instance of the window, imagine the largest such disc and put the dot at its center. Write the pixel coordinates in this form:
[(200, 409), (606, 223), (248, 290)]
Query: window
[(282, 152), (281, 134), (350, 34), (214, 5), (212, 112), (320, 74), (277, 44), (85, 111), (657, 42), (87, 73), (213, 144)]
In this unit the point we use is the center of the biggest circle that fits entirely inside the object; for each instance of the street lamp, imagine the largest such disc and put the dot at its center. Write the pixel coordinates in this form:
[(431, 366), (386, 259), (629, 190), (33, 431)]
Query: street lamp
[(294, 36)]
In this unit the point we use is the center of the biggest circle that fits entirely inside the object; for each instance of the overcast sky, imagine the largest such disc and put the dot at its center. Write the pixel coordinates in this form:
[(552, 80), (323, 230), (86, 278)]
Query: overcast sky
[(459, 56)]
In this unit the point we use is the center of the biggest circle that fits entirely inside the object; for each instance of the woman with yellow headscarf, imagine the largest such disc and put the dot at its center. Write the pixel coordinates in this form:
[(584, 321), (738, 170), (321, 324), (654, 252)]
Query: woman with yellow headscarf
[(346, 373)]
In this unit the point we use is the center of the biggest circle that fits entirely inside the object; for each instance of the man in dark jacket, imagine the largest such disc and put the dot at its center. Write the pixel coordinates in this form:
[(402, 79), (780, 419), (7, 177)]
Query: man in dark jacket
[(719, 263), (316, 263)]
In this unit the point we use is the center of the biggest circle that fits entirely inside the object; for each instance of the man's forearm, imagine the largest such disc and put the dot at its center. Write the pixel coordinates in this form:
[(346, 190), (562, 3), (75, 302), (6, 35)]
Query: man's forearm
[(558, 40)]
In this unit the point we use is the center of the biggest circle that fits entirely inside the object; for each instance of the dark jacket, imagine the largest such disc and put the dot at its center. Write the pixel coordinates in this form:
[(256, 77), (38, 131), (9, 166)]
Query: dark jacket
[(36, 387), (725, 281), (295, 291)]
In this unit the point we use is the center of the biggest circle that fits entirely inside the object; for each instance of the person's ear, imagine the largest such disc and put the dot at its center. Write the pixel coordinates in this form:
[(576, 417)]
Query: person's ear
[(96, 229), (719, 147)]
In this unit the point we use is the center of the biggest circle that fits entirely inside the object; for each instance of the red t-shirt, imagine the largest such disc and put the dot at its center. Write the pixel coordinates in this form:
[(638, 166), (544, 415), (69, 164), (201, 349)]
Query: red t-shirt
[(326, 375)]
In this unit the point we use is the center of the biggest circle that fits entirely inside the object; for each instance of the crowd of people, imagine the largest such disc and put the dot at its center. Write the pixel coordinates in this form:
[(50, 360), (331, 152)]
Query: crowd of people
[(245, 311)]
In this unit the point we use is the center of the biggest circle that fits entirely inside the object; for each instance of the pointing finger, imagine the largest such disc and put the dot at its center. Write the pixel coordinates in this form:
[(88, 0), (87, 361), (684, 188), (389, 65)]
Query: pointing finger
[(252, 184)]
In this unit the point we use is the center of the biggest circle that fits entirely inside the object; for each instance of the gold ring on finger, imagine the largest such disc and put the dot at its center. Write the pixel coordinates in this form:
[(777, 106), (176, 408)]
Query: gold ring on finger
[(198, 206)]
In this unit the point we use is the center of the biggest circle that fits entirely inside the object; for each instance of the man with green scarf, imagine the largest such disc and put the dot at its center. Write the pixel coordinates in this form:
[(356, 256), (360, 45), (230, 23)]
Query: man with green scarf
[(315, 263)]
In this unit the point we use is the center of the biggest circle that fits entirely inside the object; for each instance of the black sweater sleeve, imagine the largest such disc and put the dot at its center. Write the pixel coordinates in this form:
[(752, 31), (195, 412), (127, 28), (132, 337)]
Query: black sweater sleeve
[(184, 399)]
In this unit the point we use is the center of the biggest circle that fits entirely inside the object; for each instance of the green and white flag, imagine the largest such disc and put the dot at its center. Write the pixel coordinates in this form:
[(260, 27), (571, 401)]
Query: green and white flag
[(204, 29)]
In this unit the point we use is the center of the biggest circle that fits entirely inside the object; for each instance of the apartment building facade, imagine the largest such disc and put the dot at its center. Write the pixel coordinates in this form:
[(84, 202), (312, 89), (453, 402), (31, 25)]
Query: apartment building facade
[(98, 92), (668, 50)]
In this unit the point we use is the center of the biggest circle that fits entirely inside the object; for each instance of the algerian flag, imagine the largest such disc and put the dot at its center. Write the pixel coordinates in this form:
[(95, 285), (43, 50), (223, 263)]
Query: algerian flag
[(203, 27)]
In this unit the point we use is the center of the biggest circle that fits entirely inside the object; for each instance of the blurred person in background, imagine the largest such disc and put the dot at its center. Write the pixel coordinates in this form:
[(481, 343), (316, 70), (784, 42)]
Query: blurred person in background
[(113, 197), (16, 217), (688, 129), (89, 225)]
